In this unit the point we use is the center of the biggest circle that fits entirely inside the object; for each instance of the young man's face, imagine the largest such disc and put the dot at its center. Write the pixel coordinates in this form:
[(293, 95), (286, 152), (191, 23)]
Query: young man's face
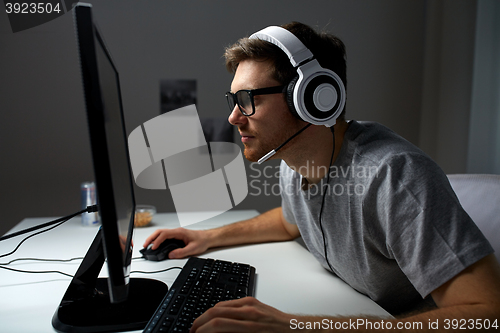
[(272, 122)]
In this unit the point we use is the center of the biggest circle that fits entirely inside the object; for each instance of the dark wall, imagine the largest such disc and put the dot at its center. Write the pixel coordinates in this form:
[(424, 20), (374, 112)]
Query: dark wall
[(44, 149)]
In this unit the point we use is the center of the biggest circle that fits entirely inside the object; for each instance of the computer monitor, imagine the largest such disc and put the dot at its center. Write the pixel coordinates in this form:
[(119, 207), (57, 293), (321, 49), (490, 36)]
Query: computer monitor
[(118, 302)]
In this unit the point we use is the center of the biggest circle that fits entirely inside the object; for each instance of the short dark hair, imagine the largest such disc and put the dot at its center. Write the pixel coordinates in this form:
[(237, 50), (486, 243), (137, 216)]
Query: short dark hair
[(328, 49)]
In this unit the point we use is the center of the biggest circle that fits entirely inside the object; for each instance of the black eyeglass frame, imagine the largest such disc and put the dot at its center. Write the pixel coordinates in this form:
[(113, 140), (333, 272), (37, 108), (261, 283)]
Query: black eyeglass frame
[(251, 93)]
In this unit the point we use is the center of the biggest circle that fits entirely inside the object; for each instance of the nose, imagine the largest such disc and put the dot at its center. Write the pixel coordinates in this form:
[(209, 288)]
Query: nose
[(236, 118)]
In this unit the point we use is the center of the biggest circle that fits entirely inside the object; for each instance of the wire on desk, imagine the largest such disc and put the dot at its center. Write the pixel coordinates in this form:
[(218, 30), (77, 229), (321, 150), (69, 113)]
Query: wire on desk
[(35, 272), (67, 260), (39, 259), (71, 276), (25, 239), (154, 272), (57, 222), (89, 209)]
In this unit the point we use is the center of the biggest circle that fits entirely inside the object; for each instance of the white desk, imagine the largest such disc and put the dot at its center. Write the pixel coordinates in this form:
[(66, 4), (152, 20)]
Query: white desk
[(28, 301)]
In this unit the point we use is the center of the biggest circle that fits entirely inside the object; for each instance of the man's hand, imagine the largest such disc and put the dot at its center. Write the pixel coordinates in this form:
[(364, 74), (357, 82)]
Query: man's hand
[(195, 241), (242, 315)]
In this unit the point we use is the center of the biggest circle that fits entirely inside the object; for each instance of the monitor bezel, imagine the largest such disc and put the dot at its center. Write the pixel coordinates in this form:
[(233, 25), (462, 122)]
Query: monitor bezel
[(116, 302), (118, 262)]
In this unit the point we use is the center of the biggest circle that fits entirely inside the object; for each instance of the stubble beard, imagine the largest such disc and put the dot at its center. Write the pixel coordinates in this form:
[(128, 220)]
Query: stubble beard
[(253, 155), (255, 151)]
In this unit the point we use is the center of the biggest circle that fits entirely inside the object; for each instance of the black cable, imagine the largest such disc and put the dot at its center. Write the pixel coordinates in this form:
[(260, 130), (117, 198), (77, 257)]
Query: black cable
[(38, 259), (35, 272), (37, 233), (57, 222), (323, 202), (51, 260), (154, 272), (71, 276), (89, 209), (293, 136), (68, 260)]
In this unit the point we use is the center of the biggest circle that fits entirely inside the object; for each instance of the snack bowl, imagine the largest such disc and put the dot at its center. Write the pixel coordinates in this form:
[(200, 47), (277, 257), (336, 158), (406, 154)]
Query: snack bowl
[(144, 215)]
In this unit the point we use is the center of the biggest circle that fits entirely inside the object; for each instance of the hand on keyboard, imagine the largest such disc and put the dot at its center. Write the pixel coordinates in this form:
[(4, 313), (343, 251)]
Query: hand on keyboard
[(243, 315), (200, 285), (195, 242)]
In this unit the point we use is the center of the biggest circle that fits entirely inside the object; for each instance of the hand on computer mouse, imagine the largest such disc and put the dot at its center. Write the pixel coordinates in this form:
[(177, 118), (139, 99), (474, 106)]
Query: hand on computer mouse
[(163, 251), (195, 240)]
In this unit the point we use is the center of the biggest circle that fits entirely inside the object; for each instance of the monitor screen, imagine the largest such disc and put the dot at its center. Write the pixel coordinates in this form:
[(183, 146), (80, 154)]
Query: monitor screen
[(115, 303)]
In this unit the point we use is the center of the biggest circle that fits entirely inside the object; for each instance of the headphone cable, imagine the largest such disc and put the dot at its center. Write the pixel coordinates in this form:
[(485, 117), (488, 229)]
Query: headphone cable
[(323, 202)]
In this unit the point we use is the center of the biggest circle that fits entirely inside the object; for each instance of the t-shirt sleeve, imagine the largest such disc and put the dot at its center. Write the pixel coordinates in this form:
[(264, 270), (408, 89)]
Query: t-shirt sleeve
[(424, 224), (285, 182)]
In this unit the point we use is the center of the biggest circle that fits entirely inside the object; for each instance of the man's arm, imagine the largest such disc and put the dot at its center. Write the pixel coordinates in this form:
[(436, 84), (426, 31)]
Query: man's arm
[(469, 301), (472, 294), (267, 227)]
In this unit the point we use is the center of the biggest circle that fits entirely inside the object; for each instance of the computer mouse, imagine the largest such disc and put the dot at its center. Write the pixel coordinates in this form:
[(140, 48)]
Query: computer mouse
[(161, 253)]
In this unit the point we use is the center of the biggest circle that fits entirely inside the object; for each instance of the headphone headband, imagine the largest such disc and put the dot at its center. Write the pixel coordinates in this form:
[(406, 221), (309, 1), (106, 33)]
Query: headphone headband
[(297, 52)]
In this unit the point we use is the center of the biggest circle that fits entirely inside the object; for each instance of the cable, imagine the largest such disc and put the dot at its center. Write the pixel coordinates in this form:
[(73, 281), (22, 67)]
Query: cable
[(51, 260), (57, 222), (89, 209), (71, 276), (293, 136), (274, 151), (25, 239), (323, 203), (68, 260), (154, 272), (38, 259), (35, 272)]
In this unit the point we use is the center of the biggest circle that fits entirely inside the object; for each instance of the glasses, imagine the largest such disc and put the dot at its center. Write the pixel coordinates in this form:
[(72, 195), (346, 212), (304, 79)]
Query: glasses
[(244, 98)]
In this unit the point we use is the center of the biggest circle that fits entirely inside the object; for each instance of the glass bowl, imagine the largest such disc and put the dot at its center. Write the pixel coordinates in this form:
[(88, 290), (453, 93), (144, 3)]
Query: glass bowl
[(144, 215)]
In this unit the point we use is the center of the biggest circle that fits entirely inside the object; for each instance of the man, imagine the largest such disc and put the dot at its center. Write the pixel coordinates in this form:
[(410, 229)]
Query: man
[(372, 208)]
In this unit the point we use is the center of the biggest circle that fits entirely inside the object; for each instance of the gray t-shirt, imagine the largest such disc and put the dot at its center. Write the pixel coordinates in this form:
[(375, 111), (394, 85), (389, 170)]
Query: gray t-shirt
[(394, 228)]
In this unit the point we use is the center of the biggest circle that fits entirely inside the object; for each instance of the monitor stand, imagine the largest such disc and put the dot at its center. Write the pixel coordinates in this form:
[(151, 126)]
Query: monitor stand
[(86, 305)]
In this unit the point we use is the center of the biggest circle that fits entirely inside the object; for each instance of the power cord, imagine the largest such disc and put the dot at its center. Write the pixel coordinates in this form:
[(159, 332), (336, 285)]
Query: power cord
[(57, 222), (25, 239), (53, 224), (154, 272), (89, 209), (69, 275), (38, 259), (68, 260), (35, 272)]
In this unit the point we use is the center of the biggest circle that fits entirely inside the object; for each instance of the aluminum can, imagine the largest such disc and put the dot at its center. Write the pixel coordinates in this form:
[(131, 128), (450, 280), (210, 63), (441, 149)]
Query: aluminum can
[(89, 198)]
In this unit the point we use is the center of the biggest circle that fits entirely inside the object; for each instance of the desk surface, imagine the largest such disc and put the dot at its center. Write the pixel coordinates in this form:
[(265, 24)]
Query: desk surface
[(28, 301)]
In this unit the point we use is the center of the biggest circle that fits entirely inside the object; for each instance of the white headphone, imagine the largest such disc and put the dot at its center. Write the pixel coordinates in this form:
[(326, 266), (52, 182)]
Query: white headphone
[(317, 95)]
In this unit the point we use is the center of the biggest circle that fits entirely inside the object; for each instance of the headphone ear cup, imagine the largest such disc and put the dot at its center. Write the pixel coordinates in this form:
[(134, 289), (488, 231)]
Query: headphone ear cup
[(289, 97), (321, 96)]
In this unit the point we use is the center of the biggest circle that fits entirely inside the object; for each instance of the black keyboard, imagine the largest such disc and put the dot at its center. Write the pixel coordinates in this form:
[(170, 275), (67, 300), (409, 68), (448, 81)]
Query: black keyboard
[(201, 284)]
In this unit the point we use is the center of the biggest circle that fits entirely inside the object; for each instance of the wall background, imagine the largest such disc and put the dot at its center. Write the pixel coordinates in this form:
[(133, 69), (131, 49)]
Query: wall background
[(409, 68)]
